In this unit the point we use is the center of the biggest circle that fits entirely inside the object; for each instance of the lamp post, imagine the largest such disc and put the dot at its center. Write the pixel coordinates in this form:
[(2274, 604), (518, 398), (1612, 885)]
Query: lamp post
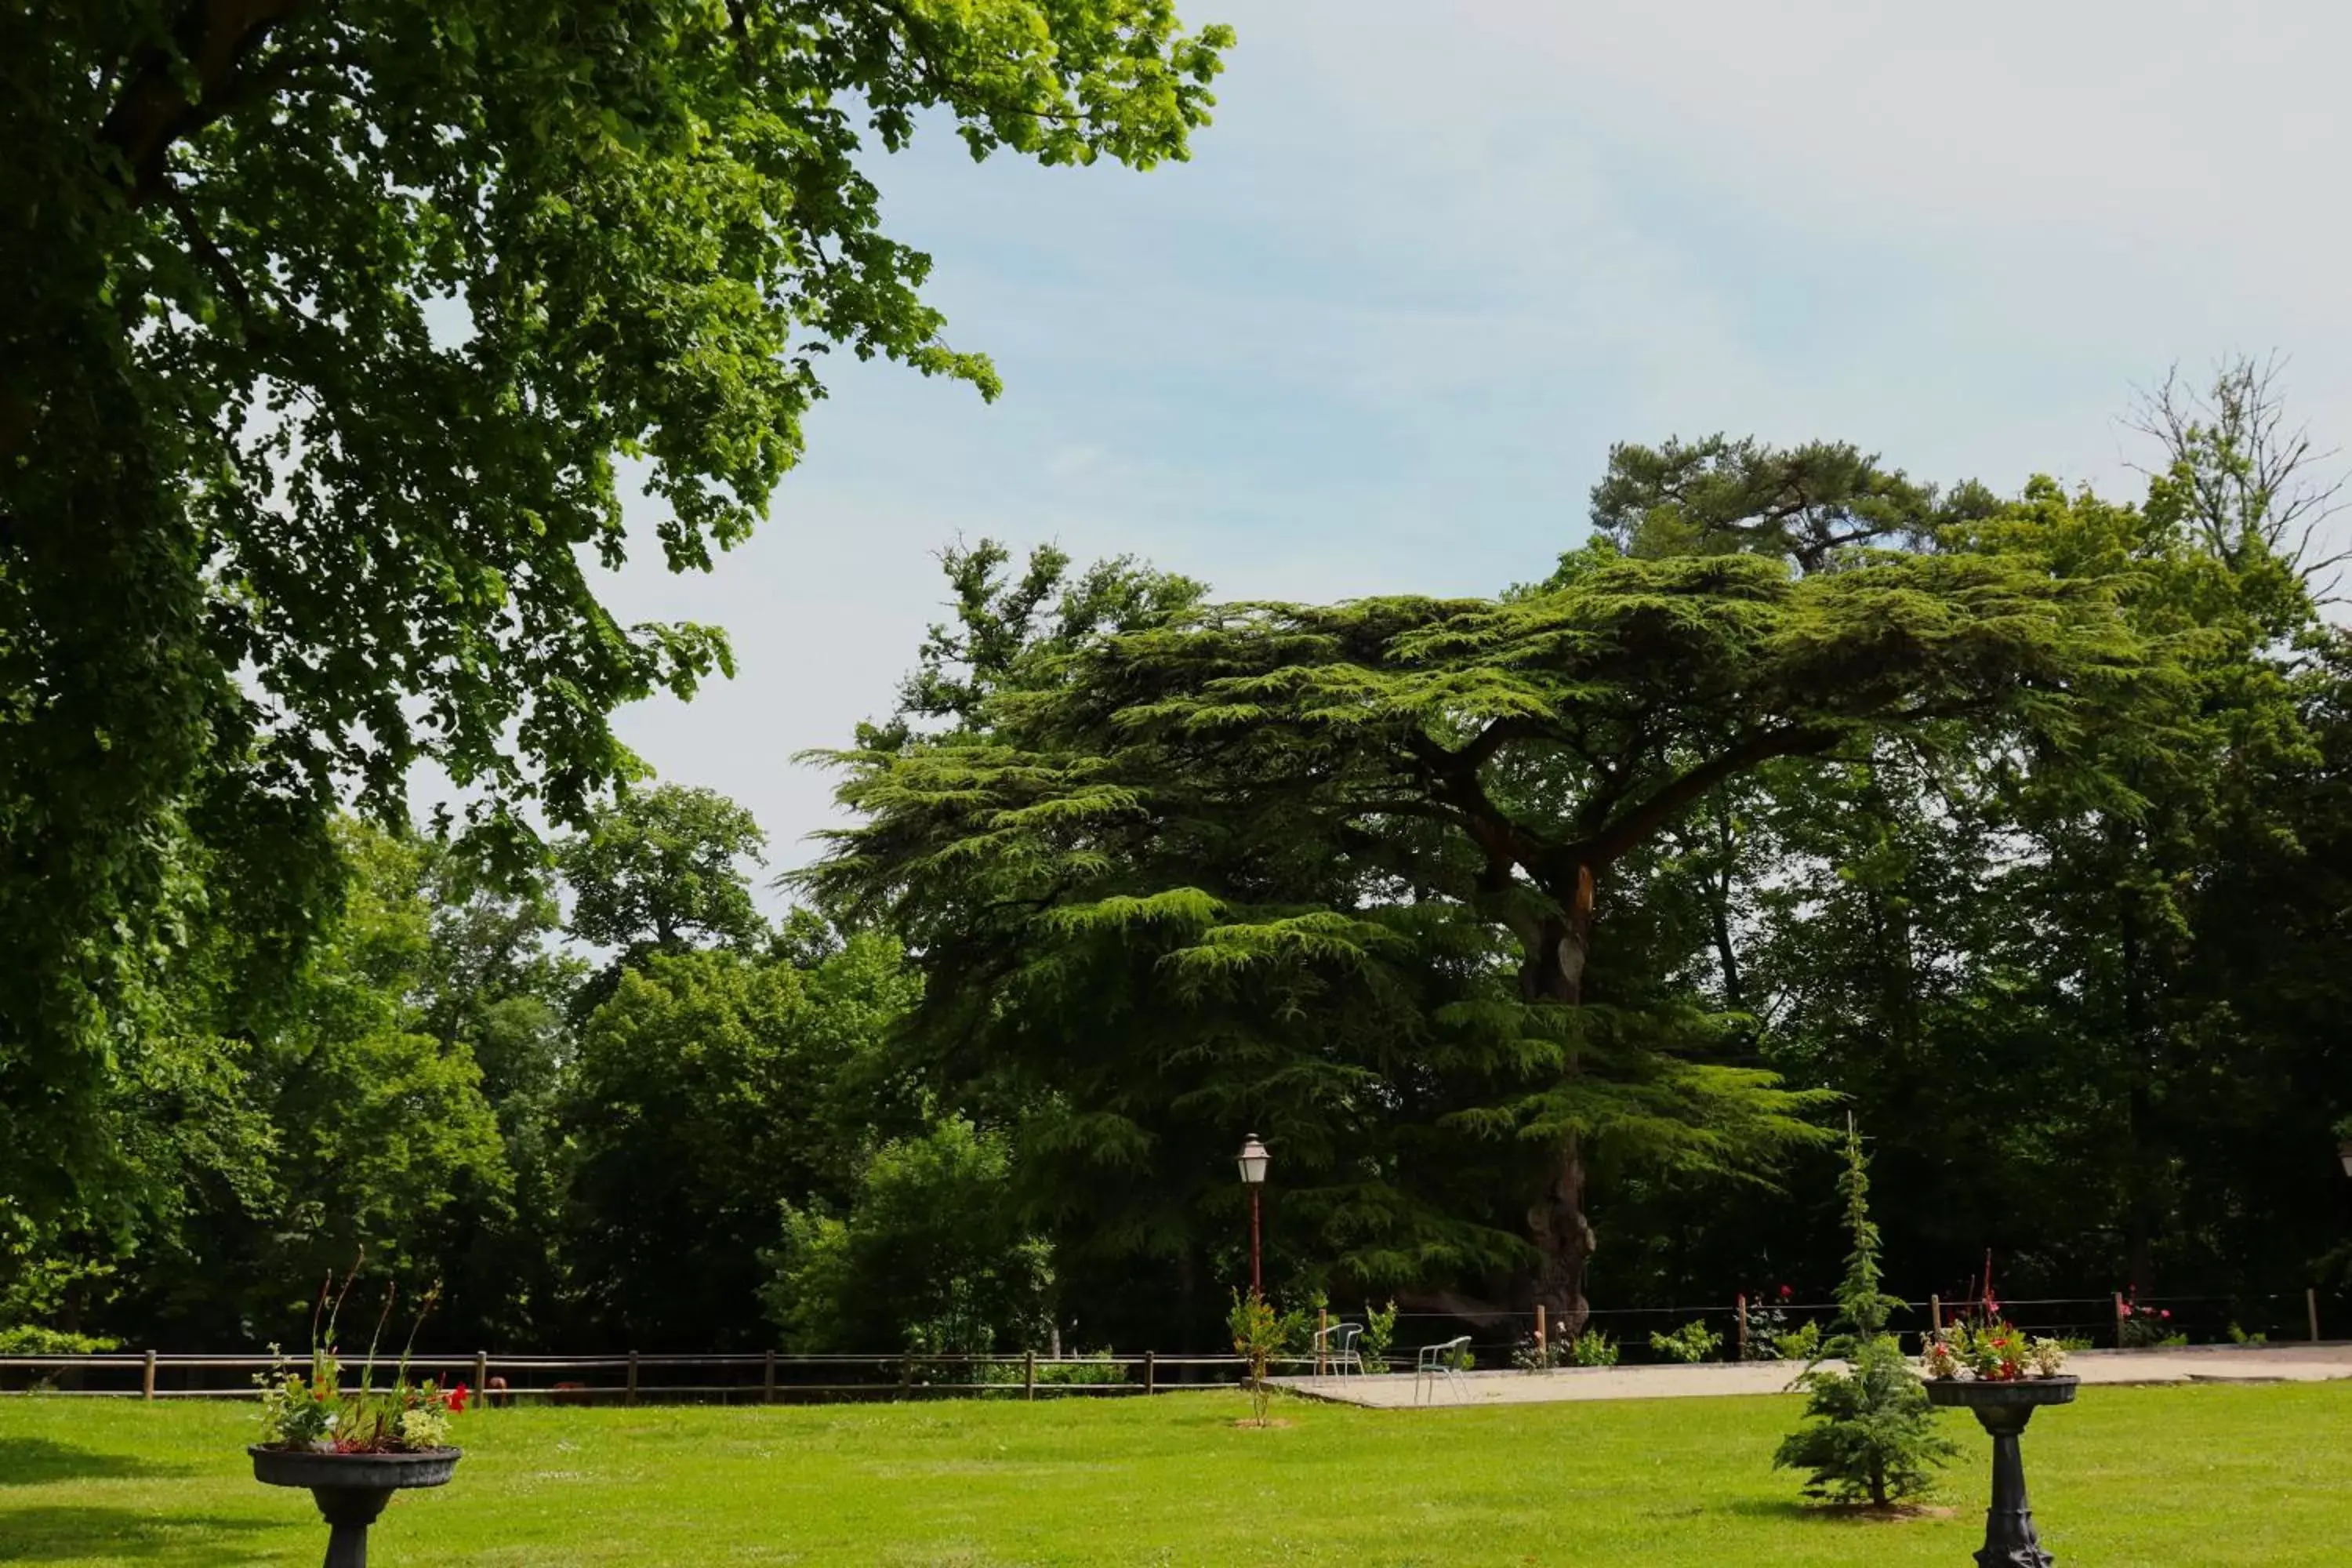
[(1252, 1161)]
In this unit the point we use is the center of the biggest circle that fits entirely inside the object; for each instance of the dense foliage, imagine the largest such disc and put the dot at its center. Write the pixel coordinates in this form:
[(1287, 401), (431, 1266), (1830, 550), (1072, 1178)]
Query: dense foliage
[(1542, 935), (335, 336), (1351, 873)]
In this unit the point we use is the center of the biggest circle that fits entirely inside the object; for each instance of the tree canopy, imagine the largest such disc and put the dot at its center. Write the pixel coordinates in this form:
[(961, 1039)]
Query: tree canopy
[(1541, 934), (337, 336), (1309, 799)]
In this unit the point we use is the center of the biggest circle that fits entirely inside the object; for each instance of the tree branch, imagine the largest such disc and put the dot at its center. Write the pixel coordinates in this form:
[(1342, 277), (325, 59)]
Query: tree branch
[(1635, 828), (214, 39)]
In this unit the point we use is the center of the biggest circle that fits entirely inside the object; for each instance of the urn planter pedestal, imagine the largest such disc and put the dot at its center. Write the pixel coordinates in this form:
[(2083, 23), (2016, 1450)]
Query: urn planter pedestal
[(2002, 1408), (350, 1489)]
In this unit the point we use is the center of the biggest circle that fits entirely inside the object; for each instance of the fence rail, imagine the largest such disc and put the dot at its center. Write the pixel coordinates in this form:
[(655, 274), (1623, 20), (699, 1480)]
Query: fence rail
[(754, 1378), (1496, 1340)]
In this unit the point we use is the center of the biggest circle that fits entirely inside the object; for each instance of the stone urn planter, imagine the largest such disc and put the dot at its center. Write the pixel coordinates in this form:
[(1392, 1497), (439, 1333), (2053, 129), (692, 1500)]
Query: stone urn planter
[(350, 1489), (2002, 1408)]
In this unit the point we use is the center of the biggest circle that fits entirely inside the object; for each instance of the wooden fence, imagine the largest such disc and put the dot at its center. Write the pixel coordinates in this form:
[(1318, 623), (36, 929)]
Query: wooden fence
[(763, 1378), (1499, 1340)]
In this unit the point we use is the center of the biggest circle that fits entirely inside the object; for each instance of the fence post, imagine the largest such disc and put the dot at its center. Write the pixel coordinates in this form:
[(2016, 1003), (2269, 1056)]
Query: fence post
[(2311, 1309), (768, 1379), (1322, 1336), (631, 1397), (482, 1377), (1935, 1314), (1029, 1374), (2119, 1320), (147, 1375), (1739, 1337), (1150, 1371), (1542, 1343)]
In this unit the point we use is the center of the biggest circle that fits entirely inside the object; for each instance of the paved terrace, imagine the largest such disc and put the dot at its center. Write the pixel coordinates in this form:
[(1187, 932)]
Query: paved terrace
[(2193, 1363)]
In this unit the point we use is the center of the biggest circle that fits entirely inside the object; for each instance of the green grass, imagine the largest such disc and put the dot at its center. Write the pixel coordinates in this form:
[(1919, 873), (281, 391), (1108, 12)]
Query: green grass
[(2170, 1476)]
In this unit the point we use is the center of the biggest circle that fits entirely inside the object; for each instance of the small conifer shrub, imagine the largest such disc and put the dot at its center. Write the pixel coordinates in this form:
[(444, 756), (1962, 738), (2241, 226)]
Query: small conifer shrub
[(1870, 1434)]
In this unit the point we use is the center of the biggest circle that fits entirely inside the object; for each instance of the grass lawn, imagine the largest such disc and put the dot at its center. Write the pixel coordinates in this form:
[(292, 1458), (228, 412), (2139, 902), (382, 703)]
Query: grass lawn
[(2171, 1477)]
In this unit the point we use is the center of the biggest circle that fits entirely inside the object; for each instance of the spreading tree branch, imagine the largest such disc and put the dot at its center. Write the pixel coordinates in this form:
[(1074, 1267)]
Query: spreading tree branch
[(216, 40)]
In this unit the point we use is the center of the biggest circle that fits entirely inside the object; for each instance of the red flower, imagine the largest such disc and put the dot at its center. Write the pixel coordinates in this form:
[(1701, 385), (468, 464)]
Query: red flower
[(1787, 1292), (458, 1397), (2165, 1313)]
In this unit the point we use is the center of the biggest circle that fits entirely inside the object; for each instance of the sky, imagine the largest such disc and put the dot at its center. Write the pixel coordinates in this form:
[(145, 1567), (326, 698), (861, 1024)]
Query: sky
[(1432, 260)]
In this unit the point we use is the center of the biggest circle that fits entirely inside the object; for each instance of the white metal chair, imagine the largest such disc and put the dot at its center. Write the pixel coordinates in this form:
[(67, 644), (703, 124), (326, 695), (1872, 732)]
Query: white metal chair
[(1434, 1362), (1335, 1349)]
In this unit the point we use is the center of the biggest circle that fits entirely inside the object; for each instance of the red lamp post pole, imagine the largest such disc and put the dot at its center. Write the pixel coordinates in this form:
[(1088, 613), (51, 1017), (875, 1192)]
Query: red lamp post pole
[(1257, 1292)]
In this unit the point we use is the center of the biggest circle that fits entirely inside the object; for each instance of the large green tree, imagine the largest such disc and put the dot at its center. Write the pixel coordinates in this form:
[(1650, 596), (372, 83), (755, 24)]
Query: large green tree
[(929, 1254), (714, 1089), (334, 334), (661, 870), (265, 1141), (1272, 793), (2115, 935)]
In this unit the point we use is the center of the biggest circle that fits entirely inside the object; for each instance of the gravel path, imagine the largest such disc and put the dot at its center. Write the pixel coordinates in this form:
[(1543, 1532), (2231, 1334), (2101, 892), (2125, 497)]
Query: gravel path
[(2196, 1364)]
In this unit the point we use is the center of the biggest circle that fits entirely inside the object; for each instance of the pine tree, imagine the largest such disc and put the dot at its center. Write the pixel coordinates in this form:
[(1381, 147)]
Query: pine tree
[(1870, 1434)]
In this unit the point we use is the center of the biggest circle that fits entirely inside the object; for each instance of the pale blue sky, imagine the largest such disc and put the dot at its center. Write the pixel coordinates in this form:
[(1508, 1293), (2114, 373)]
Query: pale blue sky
[(1432, 260)]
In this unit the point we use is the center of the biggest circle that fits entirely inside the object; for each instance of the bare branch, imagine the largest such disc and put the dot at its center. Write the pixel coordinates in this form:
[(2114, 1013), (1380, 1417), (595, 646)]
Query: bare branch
[(2248, 475)]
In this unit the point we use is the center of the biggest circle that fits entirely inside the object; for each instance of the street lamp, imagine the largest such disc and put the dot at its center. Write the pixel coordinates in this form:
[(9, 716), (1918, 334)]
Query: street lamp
[(1254, 1162)]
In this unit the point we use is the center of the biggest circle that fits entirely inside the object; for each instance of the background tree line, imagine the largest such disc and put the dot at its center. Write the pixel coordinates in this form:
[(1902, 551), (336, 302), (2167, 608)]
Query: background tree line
[(1537, 933)]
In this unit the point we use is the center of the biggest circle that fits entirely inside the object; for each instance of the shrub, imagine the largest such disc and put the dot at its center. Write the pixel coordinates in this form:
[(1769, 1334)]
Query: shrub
[(1694, 1342), (1870, 1434), (1532, 1354), (1379, 1335), (2239, 1336), (1081, 1370), (1260, 1334), (2145, 1328), (1803, 1343), (28, 1338), (1591, 1348), (1764, 1325), (930, 1258)]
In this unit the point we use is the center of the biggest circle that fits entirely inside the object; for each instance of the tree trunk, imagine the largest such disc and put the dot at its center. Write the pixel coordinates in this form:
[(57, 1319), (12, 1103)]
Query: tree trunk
[(2139, 1104), (1735, 996), (1554, 973), (1563, 1236)]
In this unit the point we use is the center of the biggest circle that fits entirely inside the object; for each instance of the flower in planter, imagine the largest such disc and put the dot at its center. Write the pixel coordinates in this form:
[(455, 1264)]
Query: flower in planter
[(1993, 1351), (307, 1408)]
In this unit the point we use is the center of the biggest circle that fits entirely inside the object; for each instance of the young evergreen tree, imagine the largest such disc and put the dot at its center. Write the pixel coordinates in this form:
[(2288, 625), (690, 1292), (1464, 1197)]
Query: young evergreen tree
[(1870, 1435)]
